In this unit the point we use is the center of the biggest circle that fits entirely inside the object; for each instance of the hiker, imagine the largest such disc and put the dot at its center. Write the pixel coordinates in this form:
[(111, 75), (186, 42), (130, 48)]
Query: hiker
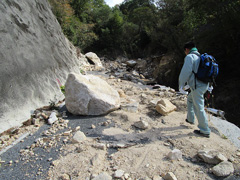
[(195, 99)]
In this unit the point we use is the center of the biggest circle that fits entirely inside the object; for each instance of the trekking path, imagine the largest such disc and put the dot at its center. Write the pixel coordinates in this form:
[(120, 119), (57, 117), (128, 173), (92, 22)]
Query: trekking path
[(115, 148)]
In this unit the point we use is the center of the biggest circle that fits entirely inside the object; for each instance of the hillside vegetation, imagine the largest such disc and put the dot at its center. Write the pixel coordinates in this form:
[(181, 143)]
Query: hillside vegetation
[(144, 28)]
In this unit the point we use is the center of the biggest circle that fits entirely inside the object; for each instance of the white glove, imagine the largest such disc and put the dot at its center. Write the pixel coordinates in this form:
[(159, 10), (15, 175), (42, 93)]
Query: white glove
[(210, 89), (182, 91)]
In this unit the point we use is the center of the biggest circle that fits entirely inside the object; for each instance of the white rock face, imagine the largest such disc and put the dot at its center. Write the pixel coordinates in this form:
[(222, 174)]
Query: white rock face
[(33, 54), (90, 95)]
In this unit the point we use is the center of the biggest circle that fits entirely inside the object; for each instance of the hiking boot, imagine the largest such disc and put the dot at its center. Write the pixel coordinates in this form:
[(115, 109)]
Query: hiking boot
[(189, 122), (198, 132)]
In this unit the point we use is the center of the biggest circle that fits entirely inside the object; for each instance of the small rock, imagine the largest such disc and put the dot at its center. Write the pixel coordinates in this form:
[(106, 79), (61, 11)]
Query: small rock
[(166, 144), (224, 168), (209, 156), (119, 173), (52, 118), (76, 129), (141, 124), (35, 121), (93, 126), (164, 107), (79, 137), (100, 146), (157, 177), (66, 133), (231, 159), (103, 176), (131, 63), (130, 107), (126, 175), (169, 176), (221, 157), (121, 93), (64, 177), (175, 154)]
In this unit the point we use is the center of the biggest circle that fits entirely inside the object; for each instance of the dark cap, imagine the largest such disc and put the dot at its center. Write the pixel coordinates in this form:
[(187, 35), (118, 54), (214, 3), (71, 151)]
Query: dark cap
[(189, 45)]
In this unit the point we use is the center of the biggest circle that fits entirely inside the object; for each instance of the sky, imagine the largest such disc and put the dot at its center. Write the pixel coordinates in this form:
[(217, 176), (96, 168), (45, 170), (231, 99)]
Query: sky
[(112, 3)]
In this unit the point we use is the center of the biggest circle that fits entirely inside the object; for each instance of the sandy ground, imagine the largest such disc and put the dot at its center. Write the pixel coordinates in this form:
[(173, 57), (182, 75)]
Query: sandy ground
[(143, 153), (140, 154)]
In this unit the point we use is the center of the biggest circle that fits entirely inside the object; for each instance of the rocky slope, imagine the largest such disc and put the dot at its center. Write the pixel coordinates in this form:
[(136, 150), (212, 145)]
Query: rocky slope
[(133, 142)]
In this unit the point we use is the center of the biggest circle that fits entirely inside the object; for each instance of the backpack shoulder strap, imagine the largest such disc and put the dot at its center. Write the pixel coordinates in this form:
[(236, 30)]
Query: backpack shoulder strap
[(199, 55)]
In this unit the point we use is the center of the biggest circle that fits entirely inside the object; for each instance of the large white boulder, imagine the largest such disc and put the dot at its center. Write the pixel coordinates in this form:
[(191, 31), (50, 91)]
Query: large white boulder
[(90, 95)]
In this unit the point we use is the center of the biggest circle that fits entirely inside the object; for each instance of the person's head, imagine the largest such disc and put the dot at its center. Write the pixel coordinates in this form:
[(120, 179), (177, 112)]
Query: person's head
[(188, 46)]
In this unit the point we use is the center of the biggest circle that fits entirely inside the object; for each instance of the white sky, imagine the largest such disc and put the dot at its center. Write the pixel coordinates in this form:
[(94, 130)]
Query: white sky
[(112, 3)]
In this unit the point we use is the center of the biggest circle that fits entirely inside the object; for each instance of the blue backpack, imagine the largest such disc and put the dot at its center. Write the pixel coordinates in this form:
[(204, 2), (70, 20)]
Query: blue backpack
[(207, 70)]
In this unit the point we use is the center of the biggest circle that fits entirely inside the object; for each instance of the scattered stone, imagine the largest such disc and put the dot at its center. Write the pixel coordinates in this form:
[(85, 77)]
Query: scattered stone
[(154, 102), (231, 159), (169, 176), (126, 175), (141, 124), (79, 137), (35, 121), (64, 177), (175, 154), (172, 90), (93, 126), (210, 156), (221, 157), (164, 107), (106, 123), (100, 146), (118, 174), (157, 177), (67, 133), (224, 168), (76, 129), (130, 107), (52, 118), (103, 176), (121, 93), (131, 63), (166, 144), (95, 161)]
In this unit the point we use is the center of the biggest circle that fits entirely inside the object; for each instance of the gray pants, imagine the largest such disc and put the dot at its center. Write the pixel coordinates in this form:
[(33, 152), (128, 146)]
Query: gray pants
[(195, 105)]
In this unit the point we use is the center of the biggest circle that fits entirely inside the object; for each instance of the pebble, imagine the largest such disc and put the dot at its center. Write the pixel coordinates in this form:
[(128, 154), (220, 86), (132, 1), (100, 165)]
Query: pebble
[(119, 173), (169, 176)]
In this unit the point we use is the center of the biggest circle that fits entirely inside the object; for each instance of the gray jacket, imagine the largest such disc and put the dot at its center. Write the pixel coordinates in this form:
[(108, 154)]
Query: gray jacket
[(191, 63)]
